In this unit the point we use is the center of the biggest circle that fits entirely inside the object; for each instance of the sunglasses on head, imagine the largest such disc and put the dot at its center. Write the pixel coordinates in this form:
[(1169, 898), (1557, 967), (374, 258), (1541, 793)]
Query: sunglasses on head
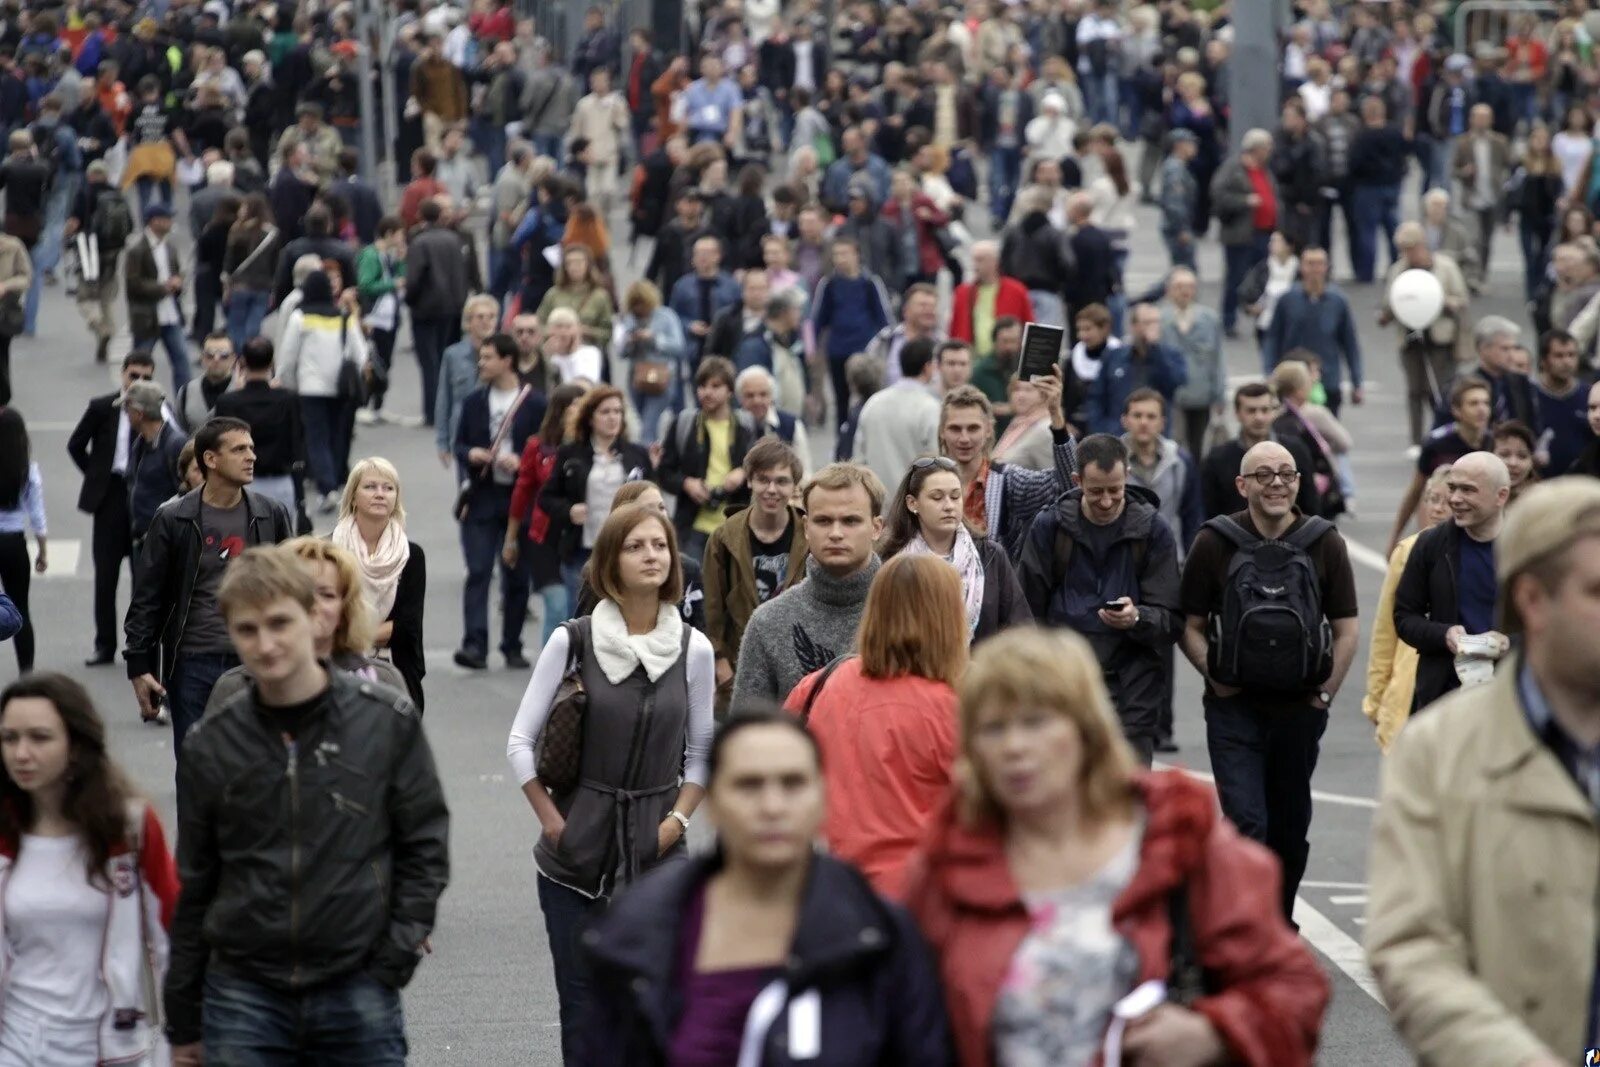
[(944, 463)]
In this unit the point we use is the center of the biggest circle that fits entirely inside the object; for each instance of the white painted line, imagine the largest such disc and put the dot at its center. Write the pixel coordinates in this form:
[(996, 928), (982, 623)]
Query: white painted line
[(1307, 884), (1316, 794), (1347, 899), (1367, 557), (1342, 950)]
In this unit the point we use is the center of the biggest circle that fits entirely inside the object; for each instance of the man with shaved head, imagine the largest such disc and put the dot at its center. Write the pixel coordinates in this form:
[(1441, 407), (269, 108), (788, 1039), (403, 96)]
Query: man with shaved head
[(1448, 587), (1264, 731)]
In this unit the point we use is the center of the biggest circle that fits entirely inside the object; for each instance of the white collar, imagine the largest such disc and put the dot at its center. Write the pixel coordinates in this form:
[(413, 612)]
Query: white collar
[(620, 653)]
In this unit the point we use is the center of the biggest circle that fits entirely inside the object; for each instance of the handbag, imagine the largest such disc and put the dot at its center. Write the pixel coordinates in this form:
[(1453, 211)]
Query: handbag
[(561, 740), (651, 375), (352, 381)]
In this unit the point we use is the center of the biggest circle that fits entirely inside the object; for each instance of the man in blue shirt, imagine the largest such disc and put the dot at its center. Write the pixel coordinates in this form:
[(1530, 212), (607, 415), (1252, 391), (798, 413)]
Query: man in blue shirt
[(713, 105), (1562, 395), (1447, 590), (858, 158), (850, 307), (1317, 316)]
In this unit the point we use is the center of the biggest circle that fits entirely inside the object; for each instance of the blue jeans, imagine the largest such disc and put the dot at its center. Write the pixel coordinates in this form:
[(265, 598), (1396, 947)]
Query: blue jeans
[(1181, 254), (352, 1022), (546, 144), (1100, 97), (567, 914), (150, 190), (30, 299), (326, 440), (47, 255), (1048, 308), (1439, 170), (572, 577), (482, 536), (1373, 206), (557, 609), (171, 338), (1263, 759), (188, 688), (1238, 259), (490, 138), (1005, 172), (650, 409), (1533, 258), (247, 308)]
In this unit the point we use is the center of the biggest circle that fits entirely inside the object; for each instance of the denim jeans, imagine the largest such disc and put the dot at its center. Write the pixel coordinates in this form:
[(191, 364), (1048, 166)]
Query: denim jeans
[(189, 687), (482, 536), (1373, 206), (30, 298), (557, 609), (246, 309), (567, 913), (171, 337), (150, 191), (1181, 253), (352, 1022), (650, 409), (1263, 758), (1100, 97), (1048, 308), (326, 440), (47, 255), (1005, 173), (1533, 258), (572, 577), (1238, 259)]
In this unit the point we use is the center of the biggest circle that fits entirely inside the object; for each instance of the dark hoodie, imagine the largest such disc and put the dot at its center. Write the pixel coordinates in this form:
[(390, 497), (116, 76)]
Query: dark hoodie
[(1037, 254)]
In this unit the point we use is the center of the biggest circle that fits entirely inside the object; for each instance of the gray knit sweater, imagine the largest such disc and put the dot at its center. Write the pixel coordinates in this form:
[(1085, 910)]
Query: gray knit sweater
[(800, 631)]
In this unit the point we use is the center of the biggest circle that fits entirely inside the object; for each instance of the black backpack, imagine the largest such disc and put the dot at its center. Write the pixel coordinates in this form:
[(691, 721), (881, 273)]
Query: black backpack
[(1270, 634), (112, 221)]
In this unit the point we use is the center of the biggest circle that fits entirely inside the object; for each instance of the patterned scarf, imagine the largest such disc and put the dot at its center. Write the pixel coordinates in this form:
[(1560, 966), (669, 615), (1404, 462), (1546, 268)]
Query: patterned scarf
[(964, 558)]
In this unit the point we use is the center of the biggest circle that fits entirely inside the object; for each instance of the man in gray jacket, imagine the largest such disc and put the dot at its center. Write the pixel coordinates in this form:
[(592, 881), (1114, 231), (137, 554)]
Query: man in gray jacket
[(805, 628), (1245, 200), (900, 423)]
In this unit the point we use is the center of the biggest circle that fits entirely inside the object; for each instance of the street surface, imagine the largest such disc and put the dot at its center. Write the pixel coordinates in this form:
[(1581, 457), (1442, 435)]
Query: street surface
[(486, 995)]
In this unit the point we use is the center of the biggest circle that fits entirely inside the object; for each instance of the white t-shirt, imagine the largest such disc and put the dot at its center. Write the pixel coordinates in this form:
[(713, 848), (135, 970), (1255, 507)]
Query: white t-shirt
[(582, 362), (1572, 149), (55, 923), (500, 401)]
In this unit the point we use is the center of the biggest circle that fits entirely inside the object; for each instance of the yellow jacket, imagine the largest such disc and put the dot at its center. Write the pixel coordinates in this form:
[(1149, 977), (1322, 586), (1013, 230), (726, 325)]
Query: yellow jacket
[(1485, 869), (1391, 663)]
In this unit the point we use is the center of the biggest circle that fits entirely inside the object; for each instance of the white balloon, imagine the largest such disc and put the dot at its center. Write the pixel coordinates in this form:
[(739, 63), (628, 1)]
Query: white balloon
[(1416, 298)]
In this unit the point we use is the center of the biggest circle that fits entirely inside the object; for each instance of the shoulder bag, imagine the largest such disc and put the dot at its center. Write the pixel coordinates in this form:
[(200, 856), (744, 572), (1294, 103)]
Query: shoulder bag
[(561, 741), (464, 492)]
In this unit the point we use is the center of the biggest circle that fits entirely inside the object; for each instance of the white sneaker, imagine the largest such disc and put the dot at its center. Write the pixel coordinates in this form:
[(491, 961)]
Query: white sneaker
[(329, 503), (367, 417)]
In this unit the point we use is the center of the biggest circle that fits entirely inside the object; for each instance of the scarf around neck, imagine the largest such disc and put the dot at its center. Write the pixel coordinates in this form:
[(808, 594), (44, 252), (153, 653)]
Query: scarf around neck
[(964, 558), (620, 653), (380, 568)]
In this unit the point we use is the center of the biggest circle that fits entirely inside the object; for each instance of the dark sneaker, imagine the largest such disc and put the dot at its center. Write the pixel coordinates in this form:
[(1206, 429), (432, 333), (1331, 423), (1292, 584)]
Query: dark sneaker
[(473, 661)]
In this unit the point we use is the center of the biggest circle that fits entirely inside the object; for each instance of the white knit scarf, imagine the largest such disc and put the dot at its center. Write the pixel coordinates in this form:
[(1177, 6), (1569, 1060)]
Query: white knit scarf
[(964, 558), (620, 653), (380, 569)]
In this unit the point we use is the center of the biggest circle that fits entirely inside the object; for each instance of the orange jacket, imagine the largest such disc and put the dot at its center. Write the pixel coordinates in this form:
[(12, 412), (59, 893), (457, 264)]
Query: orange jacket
[(887, 746), (1269, 994)]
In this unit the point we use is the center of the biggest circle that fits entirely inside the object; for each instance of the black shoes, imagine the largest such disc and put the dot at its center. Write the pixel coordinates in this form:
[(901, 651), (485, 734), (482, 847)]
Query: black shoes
[(473, 661), (1166, 746), (100, 658), (516, 661)]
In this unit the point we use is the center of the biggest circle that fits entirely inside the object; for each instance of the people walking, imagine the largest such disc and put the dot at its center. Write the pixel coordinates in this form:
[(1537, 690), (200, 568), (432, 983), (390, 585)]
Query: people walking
[(21, 512)]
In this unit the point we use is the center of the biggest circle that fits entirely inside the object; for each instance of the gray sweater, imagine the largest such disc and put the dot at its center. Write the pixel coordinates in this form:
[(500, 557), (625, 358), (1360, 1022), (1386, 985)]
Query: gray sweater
[(801, 630)]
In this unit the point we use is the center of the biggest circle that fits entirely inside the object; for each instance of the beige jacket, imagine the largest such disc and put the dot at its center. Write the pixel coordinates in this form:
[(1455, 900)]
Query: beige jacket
[(1446, 329), (1485, 867), (16, 269), (1391, 663), (602, 121)]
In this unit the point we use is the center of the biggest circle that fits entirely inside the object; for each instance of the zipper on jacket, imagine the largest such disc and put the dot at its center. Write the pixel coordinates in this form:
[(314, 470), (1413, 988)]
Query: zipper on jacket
[(293, 771)]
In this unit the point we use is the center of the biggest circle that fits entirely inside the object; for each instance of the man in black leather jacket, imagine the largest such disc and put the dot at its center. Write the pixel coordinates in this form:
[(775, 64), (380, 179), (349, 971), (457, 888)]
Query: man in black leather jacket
[(313, 849)]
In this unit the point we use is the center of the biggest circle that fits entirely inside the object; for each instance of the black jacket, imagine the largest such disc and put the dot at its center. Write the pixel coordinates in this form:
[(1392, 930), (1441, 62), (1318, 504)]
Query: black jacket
[(1004, 603), (1221, 466), (93, 447), (1037, 254), (651, 210), (569, 484), (690, 461), (880, 1001), (1425, 606), (273, 413), (308, 862), (472, 431), (164, 579), (1378, 157), (437, 278), (1094, 277)]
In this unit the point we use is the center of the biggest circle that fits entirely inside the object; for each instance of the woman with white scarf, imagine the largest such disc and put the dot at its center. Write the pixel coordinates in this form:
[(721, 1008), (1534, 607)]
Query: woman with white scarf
[(926, 516), (393, 569), (619, 802)]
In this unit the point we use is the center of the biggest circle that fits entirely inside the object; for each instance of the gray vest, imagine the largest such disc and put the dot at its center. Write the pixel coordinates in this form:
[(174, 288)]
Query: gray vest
[(633, 743)]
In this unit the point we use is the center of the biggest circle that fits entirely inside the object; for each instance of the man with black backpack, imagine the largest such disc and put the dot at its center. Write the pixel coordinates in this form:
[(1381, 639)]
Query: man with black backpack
[(1271, 606), (101, 224)]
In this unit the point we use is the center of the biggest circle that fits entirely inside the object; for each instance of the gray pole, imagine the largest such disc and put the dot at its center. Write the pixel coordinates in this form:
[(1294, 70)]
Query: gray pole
[(369, 109), (388, 176), (1254, 85)]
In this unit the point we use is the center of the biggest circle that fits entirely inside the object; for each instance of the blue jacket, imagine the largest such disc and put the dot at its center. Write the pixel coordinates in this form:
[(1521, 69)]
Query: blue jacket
[(1161, 369), (10, 618), (458, 376), (152, 474), (685, 303), (1324, 326), (472, 431), (836, 182), (852, 310)]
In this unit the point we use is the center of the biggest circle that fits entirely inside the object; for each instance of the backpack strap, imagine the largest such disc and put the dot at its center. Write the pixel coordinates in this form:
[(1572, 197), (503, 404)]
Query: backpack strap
[(1230, 530), (816, 690), (1308, 533)]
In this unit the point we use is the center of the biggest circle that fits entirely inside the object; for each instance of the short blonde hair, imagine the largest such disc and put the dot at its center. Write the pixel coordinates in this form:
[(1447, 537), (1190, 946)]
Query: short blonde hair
[(1057, 671), (1291, 377), (383, 469), (605, 570), (1409, 234), (562, 317), (356, 628), (641, 299), (839, 477), (915, 621), (475, 302)]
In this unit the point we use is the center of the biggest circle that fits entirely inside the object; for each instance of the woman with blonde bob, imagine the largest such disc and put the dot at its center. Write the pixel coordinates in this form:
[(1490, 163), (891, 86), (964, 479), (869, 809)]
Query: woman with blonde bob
[(393, 569), (340, 617), (1048, 883), (885, 719)]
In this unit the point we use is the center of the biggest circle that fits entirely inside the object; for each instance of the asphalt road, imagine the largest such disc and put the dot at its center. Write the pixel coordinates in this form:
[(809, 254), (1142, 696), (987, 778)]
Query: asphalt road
[(486, 995)]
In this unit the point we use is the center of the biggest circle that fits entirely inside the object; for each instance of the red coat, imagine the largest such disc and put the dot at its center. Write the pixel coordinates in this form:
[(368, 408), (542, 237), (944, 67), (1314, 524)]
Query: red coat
[(532, 473), (1272, 993), (1012, 299)]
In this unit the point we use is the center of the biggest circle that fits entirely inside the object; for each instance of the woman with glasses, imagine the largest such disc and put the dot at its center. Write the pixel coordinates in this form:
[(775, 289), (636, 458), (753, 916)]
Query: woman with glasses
[(765, 945), (926, 517), (1049, 882)]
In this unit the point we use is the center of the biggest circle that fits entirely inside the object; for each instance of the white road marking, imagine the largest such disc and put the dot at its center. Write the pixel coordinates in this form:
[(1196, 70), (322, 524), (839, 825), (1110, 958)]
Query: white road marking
[(1307, 884), (1316, 794), (1342, 950), (1347, 899), (1367, 557)]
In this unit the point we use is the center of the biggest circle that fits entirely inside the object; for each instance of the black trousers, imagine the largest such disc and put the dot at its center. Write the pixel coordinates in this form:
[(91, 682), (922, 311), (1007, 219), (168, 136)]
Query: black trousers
[(16, 574), (5, 369), (112, 542)]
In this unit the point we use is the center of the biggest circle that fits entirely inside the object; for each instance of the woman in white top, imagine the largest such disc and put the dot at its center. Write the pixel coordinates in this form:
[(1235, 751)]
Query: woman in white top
[(89, 887), (623, 804), (320, 337), (1049, 134), (1573, 146), (1114, 197), (566, 351), (21, 510), (1268, 281)]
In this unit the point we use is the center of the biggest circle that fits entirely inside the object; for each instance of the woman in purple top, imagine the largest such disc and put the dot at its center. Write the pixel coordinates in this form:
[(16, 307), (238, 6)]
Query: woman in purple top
[(764, 954)]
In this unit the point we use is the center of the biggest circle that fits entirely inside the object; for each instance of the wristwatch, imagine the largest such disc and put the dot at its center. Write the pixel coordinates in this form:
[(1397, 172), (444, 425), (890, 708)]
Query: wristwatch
[(683, 820), (1326, 698)]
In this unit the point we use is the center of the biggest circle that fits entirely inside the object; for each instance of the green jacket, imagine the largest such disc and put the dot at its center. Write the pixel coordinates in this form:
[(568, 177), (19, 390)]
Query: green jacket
[(594, 310), (372, 281)]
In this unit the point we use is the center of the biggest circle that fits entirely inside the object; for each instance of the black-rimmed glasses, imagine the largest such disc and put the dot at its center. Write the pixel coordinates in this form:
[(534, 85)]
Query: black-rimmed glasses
[(1265, 477)]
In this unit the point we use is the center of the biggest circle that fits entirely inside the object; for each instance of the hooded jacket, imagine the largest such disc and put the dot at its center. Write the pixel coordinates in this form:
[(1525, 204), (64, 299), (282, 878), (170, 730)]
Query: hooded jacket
[(1175, 482), (857, 966), (317, 340), (1266, 994)]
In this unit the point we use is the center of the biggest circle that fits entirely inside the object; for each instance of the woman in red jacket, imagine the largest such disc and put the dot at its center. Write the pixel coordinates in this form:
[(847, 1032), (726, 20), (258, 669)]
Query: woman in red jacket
[(527, 526), (1048, 884), (886, 720)]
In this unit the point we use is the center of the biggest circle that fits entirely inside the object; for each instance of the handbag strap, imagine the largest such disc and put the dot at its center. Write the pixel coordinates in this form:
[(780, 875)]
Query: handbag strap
[(266, 239), (816, 690)]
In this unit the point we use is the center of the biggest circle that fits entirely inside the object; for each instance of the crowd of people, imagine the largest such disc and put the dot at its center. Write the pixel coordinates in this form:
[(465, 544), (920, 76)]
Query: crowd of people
[(812, 556)]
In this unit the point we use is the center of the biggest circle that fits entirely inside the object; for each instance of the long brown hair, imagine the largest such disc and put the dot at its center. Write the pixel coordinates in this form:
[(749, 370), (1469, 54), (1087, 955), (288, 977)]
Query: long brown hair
[(605, 572), (1117, 171), (553, 430), (97, 792), (902, 525), (915, 621)]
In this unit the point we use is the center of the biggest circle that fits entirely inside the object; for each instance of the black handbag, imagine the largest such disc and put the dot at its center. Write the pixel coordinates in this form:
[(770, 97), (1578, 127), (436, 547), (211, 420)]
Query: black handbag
[(352, 382)]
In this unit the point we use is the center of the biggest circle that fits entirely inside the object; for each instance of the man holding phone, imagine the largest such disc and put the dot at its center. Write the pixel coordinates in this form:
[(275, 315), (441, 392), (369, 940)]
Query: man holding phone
[(1102, 562)]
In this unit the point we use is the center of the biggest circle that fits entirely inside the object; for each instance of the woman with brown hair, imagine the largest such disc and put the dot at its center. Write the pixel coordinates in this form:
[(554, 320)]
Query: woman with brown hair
[(249, 265), (1048, 886), (649, 355), (926, 518), (528, 539), (646, 729), (885, 719), (581, 287)]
